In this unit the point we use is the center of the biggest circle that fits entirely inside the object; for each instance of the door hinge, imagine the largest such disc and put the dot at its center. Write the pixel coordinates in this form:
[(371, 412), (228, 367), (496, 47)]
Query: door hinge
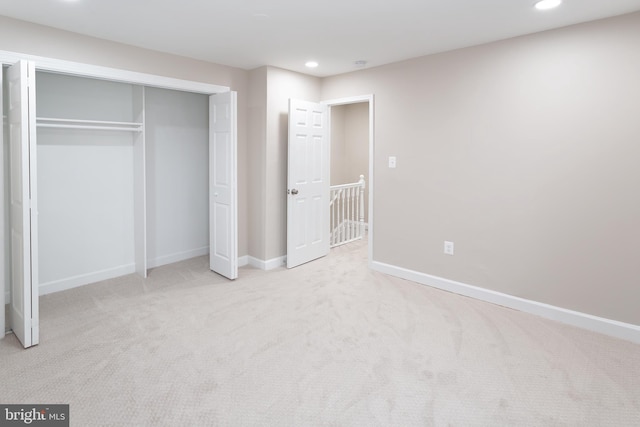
[(33, 207)]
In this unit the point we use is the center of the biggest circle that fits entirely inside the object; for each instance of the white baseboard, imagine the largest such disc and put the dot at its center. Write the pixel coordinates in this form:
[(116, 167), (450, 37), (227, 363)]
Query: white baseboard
[(243, 260), (85, 279), (177, 257), (262, 264), (614, 328), (97, 276)]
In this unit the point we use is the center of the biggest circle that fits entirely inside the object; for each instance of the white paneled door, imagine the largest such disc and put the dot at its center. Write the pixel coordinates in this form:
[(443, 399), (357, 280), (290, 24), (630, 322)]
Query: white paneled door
[(223, 188), (2, 216), (308, 182), (24, 221)]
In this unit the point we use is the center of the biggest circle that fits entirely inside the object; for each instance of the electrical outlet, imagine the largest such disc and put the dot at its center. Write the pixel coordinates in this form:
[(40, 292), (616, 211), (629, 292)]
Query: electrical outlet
[(448, 248)]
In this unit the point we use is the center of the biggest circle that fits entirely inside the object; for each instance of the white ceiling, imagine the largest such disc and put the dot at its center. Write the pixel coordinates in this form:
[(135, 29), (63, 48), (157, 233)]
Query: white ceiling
[(287, 33)]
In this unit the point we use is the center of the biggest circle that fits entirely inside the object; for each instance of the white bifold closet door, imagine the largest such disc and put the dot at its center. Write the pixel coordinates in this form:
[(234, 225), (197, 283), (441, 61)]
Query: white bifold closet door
[(3, 267), (223, 188), (23, 201)]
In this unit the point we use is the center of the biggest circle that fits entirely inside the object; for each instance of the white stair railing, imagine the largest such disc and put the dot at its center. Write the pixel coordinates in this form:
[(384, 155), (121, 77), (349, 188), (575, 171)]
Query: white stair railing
[(347, 212)]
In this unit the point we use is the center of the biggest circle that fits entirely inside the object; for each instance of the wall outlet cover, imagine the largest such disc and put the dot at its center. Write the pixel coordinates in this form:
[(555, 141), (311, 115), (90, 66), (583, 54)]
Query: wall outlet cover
[(448, 248)]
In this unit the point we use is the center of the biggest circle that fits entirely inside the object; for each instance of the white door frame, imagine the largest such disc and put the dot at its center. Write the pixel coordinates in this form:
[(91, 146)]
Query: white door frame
[(113, 74), (356, 100)]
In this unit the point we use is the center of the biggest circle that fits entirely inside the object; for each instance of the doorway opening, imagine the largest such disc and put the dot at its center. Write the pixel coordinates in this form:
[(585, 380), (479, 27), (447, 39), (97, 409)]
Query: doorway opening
[(352, 148)]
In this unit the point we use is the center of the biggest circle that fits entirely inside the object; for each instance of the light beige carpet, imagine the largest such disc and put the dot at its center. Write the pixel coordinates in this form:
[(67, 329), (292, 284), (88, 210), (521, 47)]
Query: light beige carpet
[(327, 344)]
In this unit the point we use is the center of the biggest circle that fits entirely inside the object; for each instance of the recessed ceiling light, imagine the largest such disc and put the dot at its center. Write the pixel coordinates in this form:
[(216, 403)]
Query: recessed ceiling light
[(547, 4), (311, 64)]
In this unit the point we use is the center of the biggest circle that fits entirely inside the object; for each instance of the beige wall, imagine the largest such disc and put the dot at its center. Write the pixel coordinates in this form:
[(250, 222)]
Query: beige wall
[(281, 86), (338, 148), (357, 145), (23, 37), (257, 154), (350, 145), (524, 153)]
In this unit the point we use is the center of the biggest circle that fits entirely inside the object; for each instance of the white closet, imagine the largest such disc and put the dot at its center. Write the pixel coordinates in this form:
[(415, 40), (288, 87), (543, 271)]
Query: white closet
[(125, 177), (91, 180)]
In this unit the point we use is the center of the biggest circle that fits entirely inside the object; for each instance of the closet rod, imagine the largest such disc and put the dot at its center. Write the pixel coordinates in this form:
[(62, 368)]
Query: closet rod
[(119, 128), (95, 122)]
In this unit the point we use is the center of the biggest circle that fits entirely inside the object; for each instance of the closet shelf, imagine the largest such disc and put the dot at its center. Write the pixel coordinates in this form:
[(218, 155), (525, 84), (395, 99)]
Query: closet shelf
[(48, 122)]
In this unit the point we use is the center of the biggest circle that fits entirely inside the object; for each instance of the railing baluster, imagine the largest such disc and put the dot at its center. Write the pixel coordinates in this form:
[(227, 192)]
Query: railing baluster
[(347, 213), (342, 218), (333, 218), (345, 217), (356, 225), (349, 234), (361, 216)]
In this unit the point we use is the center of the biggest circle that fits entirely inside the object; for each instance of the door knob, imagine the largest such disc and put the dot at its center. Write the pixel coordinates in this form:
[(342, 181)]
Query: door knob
[(294, 191)]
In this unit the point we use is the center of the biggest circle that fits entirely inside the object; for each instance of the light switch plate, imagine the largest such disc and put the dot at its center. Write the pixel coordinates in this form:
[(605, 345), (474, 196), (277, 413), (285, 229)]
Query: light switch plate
[(392, 162)]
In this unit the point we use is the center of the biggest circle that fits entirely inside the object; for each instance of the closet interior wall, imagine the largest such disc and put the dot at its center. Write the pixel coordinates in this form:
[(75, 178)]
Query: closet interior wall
[(122, 178), (86, 146), (177, 159)]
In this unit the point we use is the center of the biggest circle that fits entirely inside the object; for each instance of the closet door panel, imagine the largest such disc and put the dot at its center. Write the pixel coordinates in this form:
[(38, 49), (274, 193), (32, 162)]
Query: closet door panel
[(177, 161), (223, 188), (23, 200), (4, 290)]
